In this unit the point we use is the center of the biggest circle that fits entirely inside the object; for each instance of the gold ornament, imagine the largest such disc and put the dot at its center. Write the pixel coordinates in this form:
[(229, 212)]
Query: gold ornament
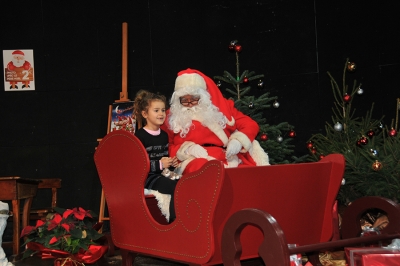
[(351, 66), (376, 166)]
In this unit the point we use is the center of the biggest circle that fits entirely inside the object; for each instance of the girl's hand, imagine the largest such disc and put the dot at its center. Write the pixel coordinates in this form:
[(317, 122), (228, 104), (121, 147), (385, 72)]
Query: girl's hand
[(166, 162)]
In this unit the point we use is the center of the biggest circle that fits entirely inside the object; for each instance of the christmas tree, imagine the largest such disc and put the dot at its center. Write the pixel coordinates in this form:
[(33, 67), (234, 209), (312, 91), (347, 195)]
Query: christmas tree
[(274, 139), (371, 149)]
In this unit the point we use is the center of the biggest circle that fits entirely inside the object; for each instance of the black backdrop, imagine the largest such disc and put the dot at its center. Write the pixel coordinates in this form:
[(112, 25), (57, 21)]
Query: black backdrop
[(53, 131)]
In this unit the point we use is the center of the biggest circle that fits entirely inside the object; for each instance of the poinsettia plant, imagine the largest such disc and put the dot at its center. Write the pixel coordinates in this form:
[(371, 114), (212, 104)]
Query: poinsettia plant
[(66, 230)]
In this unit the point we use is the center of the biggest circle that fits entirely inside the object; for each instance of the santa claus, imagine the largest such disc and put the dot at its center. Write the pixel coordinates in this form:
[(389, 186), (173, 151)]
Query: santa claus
[(18, 61), (202, 125)]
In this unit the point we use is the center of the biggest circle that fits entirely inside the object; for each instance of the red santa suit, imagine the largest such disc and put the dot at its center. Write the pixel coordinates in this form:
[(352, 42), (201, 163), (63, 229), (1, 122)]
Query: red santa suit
[(18, 57), (212, 136)]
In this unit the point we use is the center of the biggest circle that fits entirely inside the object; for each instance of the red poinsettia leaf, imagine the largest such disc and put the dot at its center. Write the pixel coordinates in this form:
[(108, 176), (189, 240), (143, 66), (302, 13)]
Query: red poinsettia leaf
[(57, 218), (66, 227), (39, 223), (27, 230), (79, 213), (88, 214), (53, 240), (67, 213), (51, 226)]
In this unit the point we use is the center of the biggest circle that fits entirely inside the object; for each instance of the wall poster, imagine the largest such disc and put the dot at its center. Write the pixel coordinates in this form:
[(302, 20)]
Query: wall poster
[(121, 117), (18, 70)]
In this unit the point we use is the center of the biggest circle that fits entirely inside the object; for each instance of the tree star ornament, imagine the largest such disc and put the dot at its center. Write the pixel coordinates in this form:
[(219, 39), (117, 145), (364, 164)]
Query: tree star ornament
[(338, 127)]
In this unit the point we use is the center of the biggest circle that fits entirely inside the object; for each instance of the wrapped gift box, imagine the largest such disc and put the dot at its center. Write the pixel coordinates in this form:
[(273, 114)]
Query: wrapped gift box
[(372, 257)]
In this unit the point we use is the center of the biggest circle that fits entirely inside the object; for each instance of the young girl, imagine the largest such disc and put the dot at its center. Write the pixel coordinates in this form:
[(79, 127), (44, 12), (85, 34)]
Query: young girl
[(149, 109)]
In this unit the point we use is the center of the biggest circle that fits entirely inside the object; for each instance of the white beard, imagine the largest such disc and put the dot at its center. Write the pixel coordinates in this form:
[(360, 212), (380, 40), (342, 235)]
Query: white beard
[(181, 117), (18, 63)]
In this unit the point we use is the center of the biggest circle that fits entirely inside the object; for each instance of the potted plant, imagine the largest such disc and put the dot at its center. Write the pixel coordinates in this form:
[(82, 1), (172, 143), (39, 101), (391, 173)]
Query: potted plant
[(69, 234)]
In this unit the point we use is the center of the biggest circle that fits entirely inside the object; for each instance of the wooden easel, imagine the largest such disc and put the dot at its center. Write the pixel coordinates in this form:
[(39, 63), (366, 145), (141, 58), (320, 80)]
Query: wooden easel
[(123, 97)]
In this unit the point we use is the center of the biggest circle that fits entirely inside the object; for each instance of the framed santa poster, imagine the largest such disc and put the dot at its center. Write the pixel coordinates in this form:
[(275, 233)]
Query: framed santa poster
[(18, 70), (122, 117)]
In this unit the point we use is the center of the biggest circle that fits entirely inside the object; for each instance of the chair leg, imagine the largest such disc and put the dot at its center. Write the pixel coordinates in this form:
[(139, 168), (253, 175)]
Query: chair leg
[(128, 257), (110, 244)]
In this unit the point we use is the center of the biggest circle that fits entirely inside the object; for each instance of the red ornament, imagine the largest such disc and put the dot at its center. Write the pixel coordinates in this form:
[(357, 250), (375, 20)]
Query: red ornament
[(393, 132), (313, 151), (264, 137), (364, 140), (370, 133), (292, 133), (238, 48), (321, 156), (245, 79), (310, 145), (346, 98)]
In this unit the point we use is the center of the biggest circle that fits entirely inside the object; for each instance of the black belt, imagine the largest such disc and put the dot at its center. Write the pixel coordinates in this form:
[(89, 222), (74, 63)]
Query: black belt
[(212, 145)]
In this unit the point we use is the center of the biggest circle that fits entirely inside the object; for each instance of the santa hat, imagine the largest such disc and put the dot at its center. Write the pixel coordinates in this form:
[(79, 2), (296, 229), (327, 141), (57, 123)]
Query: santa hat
[(18, 52), (191, 80)]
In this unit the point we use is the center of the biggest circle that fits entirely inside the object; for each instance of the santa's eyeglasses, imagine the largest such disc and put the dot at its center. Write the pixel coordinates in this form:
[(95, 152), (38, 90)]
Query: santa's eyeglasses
[(188, 101)]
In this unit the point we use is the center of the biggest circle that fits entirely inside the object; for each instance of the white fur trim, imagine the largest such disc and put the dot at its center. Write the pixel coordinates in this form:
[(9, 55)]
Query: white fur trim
[(190, 80), (232, 122), (258, 154), (163, 201), (243, 139)]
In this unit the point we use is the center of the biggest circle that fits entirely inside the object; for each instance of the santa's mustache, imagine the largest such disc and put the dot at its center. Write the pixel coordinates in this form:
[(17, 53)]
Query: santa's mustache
[(189, 110)]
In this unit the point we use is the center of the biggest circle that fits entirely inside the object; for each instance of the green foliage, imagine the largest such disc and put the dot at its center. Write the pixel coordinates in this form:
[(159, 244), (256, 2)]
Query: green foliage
[(372, 155), (66, 230), (278, 144)]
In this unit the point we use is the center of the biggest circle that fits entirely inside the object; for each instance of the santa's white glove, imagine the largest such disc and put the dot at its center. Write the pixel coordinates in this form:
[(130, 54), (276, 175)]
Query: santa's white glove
[(197, 151), (233, 148)]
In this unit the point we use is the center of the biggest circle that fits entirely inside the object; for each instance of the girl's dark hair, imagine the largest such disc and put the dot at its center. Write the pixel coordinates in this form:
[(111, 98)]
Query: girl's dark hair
[(142, 102)]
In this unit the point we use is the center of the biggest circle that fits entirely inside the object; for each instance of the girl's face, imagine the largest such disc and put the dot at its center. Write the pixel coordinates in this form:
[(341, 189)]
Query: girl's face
[(155, 115)]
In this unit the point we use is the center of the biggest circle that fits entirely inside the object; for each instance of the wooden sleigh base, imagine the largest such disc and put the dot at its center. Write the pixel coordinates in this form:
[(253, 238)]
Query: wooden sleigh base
[(230, 215), (275, 251)]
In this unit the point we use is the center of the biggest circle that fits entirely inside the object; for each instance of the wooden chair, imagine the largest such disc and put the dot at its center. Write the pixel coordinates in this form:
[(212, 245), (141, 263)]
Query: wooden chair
[(52, 184), (217, 207)]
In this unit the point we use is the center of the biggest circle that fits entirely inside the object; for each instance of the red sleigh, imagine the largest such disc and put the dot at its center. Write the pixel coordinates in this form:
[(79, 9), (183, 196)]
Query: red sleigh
[(228, 215)]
